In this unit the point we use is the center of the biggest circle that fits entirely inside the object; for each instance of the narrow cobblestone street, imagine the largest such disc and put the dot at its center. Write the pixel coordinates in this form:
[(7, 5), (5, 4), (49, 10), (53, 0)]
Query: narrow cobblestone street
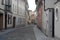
[(29, 32), (29, 19), (21, 33)]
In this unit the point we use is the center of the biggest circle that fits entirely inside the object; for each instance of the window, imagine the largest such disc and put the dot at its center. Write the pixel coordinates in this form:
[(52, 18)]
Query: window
[(6, 2), (9, 9), (13, 7), (8, 5), (3, 2), (9, 19), (9, 2)]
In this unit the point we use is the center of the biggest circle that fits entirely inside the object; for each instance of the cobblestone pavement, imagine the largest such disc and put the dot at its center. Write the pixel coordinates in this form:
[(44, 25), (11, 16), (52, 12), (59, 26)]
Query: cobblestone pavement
[(29, 32), (22, 33), (41, 36)]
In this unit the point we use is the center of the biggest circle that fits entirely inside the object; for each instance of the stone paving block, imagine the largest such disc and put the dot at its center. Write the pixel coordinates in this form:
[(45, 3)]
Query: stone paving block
[(22, 33)]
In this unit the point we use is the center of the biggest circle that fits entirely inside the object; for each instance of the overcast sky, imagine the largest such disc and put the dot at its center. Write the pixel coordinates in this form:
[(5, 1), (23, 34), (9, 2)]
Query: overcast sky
[(32, 5)]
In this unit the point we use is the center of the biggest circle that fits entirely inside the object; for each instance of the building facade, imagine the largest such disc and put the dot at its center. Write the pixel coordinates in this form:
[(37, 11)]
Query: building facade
[(50, 17), (57, 18), (39, 13), (12, 13), (26, 12), (2, 14), (32, 16)]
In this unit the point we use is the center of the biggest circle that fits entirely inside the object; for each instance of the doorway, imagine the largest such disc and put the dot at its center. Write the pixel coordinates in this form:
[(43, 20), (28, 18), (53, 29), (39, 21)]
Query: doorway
[(5, 21), (51, 21), (14, 21), (1, 21)]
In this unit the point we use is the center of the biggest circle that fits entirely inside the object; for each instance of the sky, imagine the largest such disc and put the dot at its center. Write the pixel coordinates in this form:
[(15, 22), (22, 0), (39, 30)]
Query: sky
[(32, 5)]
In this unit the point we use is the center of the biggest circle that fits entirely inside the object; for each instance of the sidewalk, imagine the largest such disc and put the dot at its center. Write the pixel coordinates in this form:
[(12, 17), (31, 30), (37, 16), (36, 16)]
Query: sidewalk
[(3, 32), (29, 32), (21, 33), (41, 36)]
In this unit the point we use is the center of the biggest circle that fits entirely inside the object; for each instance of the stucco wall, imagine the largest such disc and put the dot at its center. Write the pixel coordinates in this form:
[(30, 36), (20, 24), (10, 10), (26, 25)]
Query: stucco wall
[(18, 9), (14, 6), (49, 3), (45, 21), (57, 21), (1, 6), (21, 7)]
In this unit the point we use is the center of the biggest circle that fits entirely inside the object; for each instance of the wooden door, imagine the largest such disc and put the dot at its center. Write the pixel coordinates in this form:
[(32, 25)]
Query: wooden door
[(5, 21), (1, 21), (14, 18), (51, 22)]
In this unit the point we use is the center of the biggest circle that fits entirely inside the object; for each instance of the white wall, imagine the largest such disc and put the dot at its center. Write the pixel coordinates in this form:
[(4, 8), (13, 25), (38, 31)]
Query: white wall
[(49, 3), (21, 7), (47, 18), (20, 10), (1, 6), (17, 23), (57, 21), (14, 6), (44, 20)]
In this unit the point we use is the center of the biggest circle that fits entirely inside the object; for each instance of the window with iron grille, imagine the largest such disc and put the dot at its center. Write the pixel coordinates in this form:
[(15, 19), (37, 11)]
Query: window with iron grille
[(9, 19), (8, 5)]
